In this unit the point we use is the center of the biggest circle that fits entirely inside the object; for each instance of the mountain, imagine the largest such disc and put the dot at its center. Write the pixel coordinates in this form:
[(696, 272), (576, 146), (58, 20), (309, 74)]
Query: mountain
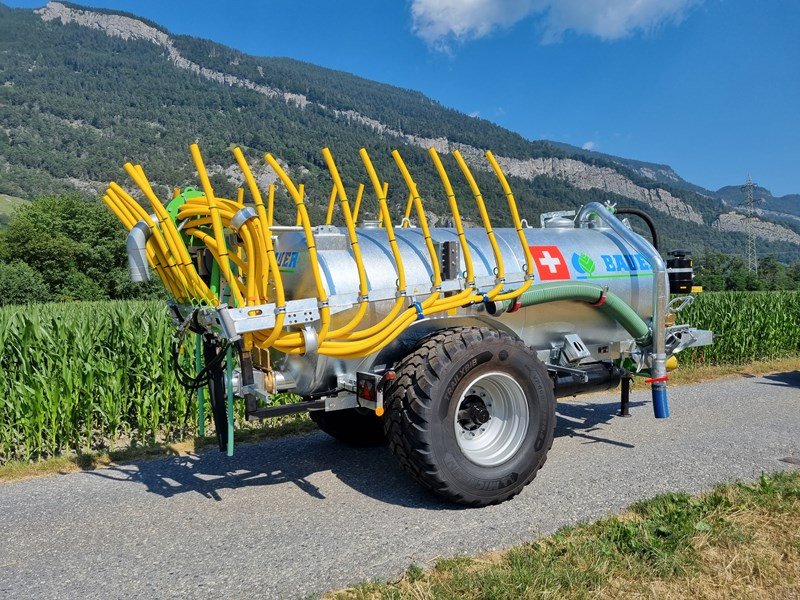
[(84, 90), (663, 174), (734, 195)]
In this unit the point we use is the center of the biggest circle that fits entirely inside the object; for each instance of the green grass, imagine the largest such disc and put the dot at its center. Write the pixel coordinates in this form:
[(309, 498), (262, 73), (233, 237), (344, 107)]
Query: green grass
[(83, 378), (8, 204), (738, 540)]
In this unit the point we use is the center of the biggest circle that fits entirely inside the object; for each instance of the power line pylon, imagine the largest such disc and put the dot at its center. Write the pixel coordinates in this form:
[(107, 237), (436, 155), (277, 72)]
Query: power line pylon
[(749, 224)]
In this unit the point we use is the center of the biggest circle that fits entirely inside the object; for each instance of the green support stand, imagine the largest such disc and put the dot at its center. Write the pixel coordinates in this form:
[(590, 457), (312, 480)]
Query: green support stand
[(201, 396)]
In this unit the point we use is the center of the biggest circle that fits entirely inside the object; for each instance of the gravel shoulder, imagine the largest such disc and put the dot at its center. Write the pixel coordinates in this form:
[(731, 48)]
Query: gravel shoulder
[(298, 516)]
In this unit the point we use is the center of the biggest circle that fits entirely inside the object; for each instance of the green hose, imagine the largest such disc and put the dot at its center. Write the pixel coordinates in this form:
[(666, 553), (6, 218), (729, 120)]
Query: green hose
[(613, 306)]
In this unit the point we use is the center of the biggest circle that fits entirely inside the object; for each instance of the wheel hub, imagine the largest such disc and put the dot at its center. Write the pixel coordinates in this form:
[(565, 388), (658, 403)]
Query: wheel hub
[(473, 413), (491, 419)]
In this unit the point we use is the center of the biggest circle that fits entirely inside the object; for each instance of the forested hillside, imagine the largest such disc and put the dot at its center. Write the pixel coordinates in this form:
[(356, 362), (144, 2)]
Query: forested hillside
[(82, 91)]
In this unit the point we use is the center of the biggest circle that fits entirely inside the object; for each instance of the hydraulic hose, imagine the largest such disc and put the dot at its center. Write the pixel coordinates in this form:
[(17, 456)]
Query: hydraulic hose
[(605, 301), (644, 217)]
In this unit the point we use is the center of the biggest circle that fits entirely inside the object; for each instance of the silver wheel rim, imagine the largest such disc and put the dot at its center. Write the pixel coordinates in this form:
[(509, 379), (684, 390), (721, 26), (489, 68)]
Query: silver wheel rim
[(500, 437)]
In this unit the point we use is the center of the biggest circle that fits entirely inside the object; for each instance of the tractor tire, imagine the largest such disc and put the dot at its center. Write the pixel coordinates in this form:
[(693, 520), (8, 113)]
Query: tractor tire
[(358, 427), (471, 414)]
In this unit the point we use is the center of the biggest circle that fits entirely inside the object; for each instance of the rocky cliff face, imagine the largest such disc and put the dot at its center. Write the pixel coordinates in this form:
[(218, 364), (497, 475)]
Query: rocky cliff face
[(587, 177), (579, 174), (732, 221)]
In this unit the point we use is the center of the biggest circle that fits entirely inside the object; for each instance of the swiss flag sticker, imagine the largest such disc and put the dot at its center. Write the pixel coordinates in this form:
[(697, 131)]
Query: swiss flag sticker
[(550, 263)]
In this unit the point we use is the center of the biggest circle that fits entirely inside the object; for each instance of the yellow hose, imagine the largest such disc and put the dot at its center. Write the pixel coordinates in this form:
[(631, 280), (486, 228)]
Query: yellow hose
[(487, 224), (219, 234), (363, 286), (250, 267), (526, 251), (302, 214)]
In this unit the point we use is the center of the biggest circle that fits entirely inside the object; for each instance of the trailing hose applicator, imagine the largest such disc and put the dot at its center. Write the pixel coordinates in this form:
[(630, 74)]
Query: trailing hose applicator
[(476, 328)]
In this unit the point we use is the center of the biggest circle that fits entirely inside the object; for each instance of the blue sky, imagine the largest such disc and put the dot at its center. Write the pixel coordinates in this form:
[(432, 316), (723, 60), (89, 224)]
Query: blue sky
[(710, 87)]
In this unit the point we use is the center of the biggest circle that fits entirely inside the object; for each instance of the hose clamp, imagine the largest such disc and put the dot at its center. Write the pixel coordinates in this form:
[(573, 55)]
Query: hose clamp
[(420, 313), (400, 294), (280, 310), (363, 298), (436, 288), (499, 280), (243, 216), (323, 304)]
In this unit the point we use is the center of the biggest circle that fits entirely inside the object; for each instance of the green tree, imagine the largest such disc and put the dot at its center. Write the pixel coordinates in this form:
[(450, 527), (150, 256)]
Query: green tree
[(76, 247), (19, 283)]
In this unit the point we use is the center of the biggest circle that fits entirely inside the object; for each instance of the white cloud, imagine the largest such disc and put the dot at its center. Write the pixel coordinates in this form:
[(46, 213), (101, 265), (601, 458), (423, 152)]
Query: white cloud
[(589, 145), (441, 22), (475, 114)]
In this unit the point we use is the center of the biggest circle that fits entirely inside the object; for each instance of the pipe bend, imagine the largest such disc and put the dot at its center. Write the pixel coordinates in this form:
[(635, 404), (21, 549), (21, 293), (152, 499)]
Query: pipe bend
[(658, 367), (136, 246)]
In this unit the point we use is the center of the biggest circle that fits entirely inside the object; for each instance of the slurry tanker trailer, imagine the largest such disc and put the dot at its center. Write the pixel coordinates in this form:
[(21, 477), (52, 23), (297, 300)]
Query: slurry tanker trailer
[(451, 343)]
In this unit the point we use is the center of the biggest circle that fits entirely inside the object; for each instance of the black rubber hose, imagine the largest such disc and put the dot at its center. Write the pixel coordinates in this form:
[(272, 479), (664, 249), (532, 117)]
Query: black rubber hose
[(644, 217)]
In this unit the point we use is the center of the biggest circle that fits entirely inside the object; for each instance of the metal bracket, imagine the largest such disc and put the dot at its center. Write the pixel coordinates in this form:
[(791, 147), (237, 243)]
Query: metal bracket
[(578, 374), (242, 217), (676, 305), (310, 340)]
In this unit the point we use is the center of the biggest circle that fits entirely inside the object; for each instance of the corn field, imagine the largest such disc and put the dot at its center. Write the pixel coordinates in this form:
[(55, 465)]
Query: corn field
[(753, 326), (82, 376), (97, 375)]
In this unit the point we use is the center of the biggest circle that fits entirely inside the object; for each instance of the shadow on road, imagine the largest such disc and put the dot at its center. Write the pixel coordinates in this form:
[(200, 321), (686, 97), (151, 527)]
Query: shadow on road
[(583, 419), (789, 378), (371, 471)]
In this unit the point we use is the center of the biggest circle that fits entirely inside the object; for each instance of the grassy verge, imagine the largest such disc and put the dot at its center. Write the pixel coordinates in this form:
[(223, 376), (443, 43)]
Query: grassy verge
[(737, 541), (16, 470), (698, 373)]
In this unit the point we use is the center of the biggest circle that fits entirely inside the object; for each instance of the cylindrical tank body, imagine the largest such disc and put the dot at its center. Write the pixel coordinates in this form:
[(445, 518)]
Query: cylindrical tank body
[(593, 254)]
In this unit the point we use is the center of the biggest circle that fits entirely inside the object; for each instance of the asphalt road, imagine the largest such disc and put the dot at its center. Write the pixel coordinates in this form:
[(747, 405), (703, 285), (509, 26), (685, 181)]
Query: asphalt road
[(299, 516)]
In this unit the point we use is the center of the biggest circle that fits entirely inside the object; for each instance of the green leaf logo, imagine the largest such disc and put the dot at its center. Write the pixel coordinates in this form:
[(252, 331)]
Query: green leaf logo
[(586, 263)]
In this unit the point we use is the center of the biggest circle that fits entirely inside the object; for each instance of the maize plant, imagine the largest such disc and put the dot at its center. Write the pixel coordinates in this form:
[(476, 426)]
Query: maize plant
[(93, 375), (81, 376), (752, 325)]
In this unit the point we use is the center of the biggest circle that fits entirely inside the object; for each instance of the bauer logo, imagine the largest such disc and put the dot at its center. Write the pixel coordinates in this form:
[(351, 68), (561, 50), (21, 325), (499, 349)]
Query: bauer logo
[(287, 261), (615, 265)]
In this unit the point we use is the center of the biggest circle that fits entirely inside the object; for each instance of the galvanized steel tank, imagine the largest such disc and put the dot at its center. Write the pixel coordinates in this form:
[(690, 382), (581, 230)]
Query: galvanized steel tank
[(560, 251)]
